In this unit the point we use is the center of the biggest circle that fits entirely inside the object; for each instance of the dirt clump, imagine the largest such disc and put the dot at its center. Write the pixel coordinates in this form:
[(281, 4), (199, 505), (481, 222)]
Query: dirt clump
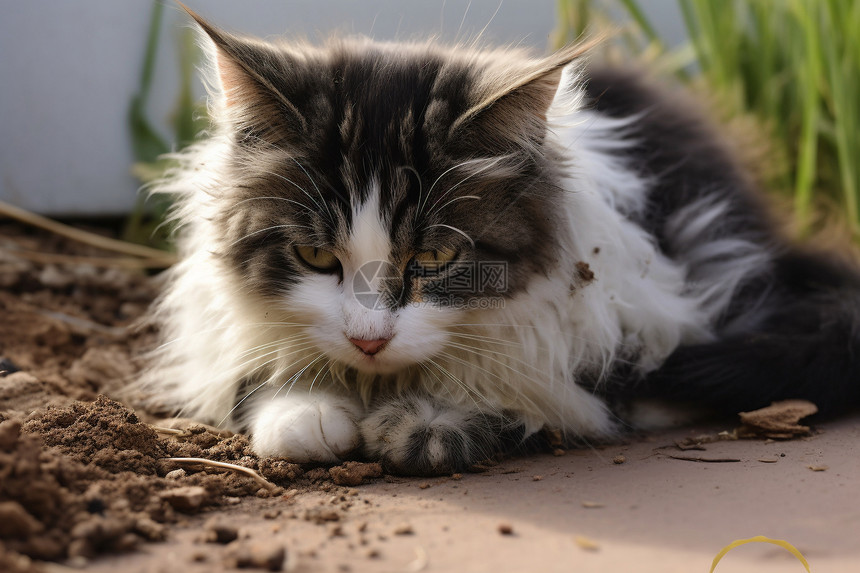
[(82, 480), (92, 478), (103, 433), (355, 473), (82, 474)]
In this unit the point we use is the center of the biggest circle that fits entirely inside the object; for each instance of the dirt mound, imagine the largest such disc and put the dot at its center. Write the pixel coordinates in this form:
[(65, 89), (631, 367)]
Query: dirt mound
[(85, 479), (81, 474), (92, 478)]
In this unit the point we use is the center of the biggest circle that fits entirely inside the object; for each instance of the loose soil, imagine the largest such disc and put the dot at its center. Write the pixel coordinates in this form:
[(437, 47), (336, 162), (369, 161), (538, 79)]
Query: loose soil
[(86, 481)]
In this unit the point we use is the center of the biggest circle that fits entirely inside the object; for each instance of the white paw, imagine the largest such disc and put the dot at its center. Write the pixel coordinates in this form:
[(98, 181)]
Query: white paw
[(306, 428)]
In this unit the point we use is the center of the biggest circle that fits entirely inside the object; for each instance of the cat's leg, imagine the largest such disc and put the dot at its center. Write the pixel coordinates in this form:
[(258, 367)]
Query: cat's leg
[(303, 426), (420, 435)]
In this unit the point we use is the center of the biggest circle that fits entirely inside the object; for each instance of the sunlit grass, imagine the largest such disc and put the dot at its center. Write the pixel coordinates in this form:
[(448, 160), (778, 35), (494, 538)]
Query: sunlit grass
[(794, 65)]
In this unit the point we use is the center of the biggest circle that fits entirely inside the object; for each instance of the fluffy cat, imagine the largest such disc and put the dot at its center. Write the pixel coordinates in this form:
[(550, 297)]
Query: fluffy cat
[(424, 255)]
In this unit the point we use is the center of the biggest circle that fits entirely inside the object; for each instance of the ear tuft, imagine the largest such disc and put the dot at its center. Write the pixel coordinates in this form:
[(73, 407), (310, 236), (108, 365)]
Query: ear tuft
[(516, 106), (245, 70)]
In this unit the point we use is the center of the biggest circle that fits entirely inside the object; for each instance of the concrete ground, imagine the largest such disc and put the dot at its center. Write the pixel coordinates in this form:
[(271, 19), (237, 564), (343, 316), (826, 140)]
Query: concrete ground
[(619, 508)]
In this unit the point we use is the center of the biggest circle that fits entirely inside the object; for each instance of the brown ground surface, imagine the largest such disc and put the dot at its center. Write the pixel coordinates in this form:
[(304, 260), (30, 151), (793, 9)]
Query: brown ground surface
[(85, 482)]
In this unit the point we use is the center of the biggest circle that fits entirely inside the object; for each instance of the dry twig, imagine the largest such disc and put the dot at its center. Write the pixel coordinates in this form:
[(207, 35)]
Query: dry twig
[(224, 465), (85, 237)]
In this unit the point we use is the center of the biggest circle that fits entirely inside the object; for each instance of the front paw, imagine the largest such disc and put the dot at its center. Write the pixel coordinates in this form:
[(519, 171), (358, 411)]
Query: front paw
[(306, 428), (421, 436)]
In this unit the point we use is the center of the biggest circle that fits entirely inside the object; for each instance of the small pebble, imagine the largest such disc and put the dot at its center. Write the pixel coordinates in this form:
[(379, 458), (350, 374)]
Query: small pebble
[(506, 529), (219, 532), (189, 498), (7, 367), (255, 556)]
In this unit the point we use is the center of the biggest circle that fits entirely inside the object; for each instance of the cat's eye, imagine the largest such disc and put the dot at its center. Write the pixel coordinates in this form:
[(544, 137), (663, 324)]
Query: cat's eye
[(318, 259), (436, 260)]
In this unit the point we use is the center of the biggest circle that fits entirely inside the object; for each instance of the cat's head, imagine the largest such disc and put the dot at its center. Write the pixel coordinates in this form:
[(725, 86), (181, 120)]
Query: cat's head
[(379, 193)]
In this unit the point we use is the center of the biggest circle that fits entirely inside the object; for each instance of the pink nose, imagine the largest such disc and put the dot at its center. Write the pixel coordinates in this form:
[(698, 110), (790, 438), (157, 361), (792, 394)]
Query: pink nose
[(369, 347)]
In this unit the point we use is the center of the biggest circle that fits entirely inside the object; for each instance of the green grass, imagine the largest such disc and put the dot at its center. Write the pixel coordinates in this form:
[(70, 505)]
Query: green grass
[(145, 223), (793, 65)]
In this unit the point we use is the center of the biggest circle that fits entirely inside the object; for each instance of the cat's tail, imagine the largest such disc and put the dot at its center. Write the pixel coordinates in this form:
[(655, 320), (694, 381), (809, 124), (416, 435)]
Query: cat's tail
[(805, 344)]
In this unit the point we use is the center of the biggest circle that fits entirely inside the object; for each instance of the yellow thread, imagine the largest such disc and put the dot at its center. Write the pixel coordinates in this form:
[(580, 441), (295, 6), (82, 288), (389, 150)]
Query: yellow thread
[(761, 539)]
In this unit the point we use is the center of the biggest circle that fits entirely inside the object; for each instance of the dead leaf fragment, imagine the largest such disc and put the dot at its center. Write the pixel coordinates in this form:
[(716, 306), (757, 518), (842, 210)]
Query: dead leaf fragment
[(586, 544), (778, 421), (592, 504)]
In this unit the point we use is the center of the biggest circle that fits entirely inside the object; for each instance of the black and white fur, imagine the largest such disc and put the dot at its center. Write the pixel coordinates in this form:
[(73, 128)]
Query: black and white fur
[(639, 263)]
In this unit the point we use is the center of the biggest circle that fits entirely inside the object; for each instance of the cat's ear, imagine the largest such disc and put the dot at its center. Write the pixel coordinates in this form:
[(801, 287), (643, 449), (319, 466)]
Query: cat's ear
[(513, 105), (252, 77)]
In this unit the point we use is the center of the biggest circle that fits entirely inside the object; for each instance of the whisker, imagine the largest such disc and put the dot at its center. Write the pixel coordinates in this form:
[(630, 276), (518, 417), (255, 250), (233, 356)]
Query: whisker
[(456, 199), (239, 403), (314, 381), (480, 351), (418, 177), (450, 356), (314, 183), (272, 198), (422, 204), (295, 377), (426, 369), (272, 228), (281, 342), (489, 165), (470, 392), (265, 182), (489, 339), (291, 350), (455, 229)]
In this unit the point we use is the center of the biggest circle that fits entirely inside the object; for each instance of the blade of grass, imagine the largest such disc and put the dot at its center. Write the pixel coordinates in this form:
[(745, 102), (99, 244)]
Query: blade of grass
[(807, 153), (842, 82), (147, 145), (146, 142), (642, 21)]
